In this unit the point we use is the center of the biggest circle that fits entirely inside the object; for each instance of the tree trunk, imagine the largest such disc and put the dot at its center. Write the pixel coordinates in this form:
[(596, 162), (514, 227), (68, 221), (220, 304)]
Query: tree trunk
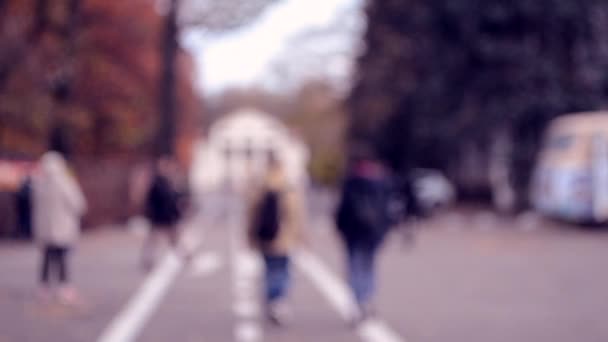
[(62, 86), (167, 96)]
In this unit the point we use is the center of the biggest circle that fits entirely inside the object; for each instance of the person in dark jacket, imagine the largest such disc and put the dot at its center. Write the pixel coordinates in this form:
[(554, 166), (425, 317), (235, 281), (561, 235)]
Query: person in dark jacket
[(162, 208), (363, 220), (23, 203), (277, 245)]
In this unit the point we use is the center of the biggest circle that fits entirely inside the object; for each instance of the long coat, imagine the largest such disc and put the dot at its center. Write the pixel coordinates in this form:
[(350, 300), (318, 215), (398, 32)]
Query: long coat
[(291, 220), (58, 203)]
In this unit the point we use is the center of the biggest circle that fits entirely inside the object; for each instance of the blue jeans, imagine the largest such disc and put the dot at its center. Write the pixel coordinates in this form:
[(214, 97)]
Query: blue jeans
[(277, 277), (361, 272)]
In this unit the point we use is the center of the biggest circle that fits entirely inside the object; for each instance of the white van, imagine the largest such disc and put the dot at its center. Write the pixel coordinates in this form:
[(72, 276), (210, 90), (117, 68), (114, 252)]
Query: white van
[(571, 178)]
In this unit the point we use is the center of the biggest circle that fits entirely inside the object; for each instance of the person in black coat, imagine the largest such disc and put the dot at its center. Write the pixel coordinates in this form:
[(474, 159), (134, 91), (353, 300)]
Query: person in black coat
[(162, 209), (23, 203), (363, 219)]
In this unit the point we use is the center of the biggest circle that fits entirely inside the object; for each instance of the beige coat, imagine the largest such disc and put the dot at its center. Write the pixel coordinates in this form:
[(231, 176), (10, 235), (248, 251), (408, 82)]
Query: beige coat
[(58, 202), (290, 231)]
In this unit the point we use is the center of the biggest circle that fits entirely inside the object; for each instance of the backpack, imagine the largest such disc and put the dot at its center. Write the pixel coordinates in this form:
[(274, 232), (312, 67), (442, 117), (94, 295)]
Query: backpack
[(162, 206), (365, 213), (268, 217)]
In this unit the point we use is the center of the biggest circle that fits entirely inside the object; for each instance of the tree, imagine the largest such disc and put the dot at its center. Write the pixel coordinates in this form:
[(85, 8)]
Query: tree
[(324, 54), (211, 16), (440, 80), (92, 67), (113, 73)]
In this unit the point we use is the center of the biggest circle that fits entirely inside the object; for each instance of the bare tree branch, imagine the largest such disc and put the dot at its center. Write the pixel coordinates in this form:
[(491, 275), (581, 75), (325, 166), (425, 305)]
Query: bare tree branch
[(213, 16), (219, 16)]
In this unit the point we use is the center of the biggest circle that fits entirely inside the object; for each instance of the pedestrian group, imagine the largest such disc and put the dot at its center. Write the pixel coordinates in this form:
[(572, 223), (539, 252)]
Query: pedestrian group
[(369, 205)]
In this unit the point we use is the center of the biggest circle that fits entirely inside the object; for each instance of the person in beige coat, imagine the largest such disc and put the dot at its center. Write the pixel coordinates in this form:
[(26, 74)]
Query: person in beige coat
[(275, 230), (58, 206)]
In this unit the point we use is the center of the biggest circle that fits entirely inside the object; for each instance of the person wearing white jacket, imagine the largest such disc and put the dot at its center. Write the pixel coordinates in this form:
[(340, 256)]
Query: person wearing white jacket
[(58, 206)]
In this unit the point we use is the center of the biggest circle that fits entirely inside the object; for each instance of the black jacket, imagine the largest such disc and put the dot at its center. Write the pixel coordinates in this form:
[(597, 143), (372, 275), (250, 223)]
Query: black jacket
[(162, 207), (364, 213)]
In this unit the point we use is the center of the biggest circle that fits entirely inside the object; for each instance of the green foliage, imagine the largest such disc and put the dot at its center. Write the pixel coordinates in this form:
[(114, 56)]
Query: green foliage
[(438, 75)]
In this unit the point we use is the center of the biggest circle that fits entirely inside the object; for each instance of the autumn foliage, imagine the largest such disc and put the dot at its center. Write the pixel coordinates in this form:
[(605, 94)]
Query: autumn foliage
[(91, 66)]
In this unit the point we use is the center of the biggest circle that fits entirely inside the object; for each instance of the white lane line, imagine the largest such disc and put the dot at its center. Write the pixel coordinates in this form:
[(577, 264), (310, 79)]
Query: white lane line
[(246, 268), (246, 308), (338, 295), (248, 331), (333, 290), (205, 264), (128, 324), (378, 331)]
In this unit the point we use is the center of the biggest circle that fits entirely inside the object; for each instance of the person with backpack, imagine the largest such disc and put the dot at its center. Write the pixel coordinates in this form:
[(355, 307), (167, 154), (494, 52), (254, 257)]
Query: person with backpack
[(363, 219), (163, 210), (274, 230)]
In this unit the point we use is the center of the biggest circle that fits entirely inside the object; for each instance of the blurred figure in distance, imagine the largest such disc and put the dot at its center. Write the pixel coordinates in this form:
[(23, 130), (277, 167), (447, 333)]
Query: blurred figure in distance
[(275, 218), (163, 210), (23, 206), (58, 206)]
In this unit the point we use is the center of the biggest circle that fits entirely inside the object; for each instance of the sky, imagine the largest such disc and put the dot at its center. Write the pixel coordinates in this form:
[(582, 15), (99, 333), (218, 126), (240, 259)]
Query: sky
[(242, 57)]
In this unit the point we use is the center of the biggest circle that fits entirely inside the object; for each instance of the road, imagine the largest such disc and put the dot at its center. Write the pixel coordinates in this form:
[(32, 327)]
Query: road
[(468, 276)]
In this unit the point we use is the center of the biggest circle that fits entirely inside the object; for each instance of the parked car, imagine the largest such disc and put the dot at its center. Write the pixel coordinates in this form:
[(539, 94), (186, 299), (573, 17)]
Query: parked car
[(432, 190), (570, 181)]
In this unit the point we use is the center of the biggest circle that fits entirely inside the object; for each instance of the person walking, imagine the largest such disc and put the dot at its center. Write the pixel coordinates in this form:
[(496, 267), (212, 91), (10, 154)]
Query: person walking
[(58, 206), (363, 219), (23, 208), (163, 210), (275, 218)]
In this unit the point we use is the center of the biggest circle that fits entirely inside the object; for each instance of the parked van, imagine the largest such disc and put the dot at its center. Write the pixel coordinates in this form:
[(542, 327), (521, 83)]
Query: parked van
[(571, 178)]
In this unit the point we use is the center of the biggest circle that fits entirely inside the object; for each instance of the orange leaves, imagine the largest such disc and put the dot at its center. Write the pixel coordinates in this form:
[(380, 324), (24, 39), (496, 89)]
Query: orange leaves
[(111, 62)]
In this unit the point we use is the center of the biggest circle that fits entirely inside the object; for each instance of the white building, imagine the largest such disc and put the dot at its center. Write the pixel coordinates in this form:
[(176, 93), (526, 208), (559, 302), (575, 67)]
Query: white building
[(237, 149)]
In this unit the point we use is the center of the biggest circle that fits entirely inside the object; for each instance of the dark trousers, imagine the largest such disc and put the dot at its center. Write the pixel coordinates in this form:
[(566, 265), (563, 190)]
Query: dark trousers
[(276, 276), (362, 271), (54, 263)]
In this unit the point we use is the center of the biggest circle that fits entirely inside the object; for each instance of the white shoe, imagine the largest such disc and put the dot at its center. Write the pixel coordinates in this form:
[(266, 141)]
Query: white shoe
[(278, 314)]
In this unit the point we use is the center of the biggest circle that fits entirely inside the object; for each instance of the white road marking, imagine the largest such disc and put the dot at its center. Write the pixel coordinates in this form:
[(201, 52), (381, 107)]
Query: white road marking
[(248, 264), (377, 331), (128, 324), (205, 264), (246, 308), (248, 331), (338, 295), (334, 290), (246, 269)]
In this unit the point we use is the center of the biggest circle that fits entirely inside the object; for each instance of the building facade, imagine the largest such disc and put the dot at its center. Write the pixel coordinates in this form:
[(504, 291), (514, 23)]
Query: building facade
[(237, 149)]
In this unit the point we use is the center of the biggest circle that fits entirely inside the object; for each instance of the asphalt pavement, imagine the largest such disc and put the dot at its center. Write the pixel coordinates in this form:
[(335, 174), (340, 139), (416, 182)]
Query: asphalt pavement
[(467, 275)]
